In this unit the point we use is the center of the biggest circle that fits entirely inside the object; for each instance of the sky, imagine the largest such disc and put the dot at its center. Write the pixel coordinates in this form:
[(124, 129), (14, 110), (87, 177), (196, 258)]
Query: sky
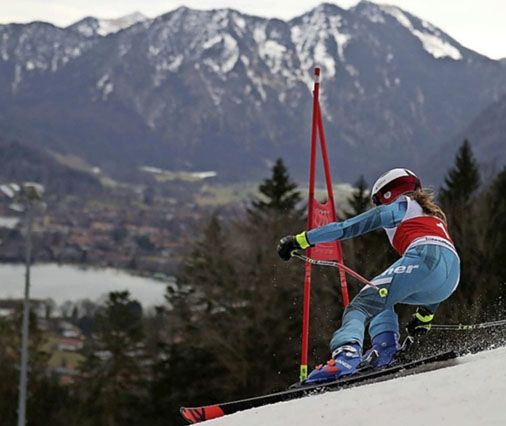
[(477, 24)]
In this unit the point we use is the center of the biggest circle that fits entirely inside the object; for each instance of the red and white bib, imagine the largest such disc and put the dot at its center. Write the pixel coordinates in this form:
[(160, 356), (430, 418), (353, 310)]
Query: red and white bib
[(418, 228)]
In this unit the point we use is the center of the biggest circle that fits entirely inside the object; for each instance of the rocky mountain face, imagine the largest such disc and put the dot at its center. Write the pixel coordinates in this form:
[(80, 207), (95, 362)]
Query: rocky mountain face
[(220, 90), (487, 137)]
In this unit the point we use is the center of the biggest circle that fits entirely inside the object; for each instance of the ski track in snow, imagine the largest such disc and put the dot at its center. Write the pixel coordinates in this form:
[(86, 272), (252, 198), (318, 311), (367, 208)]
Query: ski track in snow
[(472, 392)]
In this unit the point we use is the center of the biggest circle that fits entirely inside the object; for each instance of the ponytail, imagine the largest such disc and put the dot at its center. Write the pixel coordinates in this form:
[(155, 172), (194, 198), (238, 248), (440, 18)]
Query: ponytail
[(426, 201)]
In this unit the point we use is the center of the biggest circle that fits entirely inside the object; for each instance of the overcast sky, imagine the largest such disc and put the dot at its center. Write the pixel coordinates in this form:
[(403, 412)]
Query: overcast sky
[(477, 24)]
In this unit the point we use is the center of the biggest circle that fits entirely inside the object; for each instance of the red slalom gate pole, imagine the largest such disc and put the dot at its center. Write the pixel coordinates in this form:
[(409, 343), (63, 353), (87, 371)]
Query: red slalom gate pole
[(330, 194), (307, 267)]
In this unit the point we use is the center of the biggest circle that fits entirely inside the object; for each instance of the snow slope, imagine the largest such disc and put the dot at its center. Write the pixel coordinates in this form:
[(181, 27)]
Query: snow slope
[(472, 392)]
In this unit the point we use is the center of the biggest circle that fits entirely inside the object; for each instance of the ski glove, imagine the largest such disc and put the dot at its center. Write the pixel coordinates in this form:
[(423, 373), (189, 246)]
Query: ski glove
[(290, 243), (421, 322)]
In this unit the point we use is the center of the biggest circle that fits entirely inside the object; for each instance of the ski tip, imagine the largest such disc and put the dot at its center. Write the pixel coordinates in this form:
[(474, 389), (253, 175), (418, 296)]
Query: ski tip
[(200, 414)]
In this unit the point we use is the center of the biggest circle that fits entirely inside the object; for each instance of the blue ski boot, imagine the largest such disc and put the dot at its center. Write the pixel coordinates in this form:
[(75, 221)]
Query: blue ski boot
[(384, 348), (344, 362)]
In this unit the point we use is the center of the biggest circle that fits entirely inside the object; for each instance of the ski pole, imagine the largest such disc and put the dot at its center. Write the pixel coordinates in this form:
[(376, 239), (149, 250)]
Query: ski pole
[(383, 292), (466, 327)]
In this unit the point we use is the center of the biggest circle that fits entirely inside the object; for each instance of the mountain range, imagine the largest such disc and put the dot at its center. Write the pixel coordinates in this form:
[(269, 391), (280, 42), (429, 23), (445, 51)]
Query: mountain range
[(223, 91)]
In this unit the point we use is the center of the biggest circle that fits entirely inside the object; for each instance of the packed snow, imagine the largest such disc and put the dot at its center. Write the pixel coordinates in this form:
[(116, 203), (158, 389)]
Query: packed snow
[(469, 393)]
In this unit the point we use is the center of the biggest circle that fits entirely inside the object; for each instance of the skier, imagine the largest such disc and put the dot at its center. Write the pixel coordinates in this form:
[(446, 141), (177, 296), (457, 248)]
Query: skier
[(427, 272)]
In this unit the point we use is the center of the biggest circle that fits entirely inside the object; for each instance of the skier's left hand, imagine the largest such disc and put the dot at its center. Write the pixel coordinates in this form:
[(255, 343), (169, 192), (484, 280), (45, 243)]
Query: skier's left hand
[(290, 243), (421, 322)]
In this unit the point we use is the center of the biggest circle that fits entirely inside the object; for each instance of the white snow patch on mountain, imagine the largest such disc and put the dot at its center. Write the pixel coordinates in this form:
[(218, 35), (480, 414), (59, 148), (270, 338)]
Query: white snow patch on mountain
[(323, 58), (470, 393), (373, 14), (272, 53), (229, 55), (212, 42), (438, 47), (432, 43), (175, 63), (340, 38), (3, 47), (240, 22), (105, 86), (259, 34), (17, 78), (351, 70), (171, 64), (104, 27)]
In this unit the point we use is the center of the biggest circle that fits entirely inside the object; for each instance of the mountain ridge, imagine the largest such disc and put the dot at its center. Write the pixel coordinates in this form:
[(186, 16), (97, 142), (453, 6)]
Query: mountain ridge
[(222, 90)]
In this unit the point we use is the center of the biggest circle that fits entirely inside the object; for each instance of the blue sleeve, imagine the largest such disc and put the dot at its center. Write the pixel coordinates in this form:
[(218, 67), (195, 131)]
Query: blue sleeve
[(385, 216)]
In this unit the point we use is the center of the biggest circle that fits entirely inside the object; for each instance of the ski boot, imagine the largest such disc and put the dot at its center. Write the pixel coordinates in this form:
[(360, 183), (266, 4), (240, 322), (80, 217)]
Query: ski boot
[(383, 351), (344, 362)]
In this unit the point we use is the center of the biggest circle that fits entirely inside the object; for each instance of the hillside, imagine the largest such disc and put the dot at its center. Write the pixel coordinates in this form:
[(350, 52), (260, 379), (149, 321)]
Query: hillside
[(22, 163), (470, 393), (223, 91)]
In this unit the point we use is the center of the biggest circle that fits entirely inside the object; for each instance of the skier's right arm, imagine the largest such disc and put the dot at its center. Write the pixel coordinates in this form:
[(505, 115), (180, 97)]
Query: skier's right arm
[(384, 216)]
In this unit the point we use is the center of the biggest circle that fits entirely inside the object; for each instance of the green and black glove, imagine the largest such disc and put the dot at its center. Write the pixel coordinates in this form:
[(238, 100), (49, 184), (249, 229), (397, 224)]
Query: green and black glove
[(290, 243), (421, 322)]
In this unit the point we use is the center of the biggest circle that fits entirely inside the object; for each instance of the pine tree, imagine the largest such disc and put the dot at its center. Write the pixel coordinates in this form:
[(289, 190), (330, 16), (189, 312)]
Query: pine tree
[(360, 200), (207, 309), (114, 386), (208, 269), (242, 304), (460, 200), (44, 396), (279, 195), (462, 180), (496, 241)]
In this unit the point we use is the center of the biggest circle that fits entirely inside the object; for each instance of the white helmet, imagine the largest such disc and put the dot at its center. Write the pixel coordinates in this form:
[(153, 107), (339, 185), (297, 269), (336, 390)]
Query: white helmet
[(392, 184)]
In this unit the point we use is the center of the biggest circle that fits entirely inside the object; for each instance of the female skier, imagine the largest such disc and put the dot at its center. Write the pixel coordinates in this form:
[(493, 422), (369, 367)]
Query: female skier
[(426, 274)]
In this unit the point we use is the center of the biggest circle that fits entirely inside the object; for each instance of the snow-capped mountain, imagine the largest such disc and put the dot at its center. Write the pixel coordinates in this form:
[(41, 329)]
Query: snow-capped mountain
[(221, 90), (91, 26)]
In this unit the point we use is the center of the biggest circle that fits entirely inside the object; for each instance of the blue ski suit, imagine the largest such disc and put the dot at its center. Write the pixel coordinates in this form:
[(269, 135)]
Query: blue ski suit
[(426, 274)]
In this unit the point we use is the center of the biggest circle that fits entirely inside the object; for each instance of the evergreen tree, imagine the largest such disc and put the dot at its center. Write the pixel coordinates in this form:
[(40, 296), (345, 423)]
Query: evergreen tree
[(279, 195), (113, 389), (242, 305), (461, 202), (360, 200), (462, 180), (277, 286), (496, 235), (200, 329), (46, 400)]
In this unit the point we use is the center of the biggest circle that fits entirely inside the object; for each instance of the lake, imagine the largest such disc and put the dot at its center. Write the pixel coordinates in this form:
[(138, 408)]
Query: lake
[(65, 282)]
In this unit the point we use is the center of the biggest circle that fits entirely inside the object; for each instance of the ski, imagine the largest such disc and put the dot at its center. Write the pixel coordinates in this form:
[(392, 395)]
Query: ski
[(199, 414)]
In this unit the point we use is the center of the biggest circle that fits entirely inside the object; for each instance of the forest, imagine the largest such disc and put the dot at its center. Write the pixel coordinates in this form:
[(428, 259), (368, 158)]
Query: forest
[(231, 327)]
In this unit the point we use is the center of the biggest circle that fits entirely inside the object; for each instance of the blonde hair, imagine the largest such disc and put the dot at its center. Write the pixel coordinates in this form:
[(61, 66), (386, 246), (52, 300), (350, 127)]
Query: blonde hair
[(425, 198)]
